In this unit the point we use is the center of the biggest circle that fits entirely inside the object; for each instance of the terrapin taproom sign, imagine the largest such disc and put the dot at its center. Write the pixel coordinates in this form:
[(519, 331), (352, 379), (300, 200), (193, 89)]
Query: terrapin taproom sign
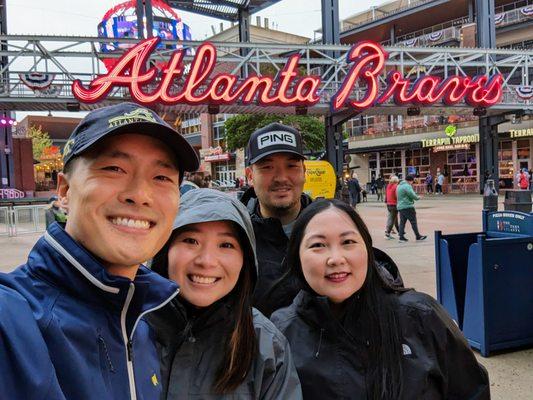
[(200, 86)]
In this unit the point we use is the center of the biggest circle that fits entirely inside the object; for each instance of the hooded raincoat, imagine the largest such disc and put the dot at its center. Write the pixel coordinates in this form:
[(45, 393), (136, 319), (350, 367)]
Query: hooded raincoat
[(191, 343)]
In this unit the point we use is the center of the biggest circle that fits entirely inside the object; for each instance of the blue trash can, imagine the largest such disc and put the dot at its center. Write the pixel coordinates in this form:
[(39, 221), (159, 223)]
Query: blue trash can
[(485, 281)]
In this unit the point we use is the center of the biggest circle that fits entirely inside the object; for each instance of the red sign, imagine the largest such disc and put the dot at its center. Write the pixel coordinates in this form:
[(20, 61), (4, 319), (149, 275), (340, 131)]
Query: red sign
[(218, 157), (199, 87)]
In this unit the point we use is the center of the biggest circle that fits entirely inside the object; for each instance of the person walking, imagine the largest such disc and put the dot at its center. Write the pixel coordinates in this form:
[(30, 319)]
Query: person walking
[(72, 317), (406, 207), (440, 183), (355, 190), (392, 200), (353, 335), (213, 344), (429, 183), (380, 184), (523, 180), (55, 213)]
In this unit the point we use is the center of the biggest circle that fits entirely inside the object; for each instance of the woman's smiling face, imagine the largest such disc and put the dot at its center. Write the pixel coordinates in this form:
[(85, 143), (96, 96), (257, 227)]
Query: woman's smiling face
[(205, 259), (333, 255)]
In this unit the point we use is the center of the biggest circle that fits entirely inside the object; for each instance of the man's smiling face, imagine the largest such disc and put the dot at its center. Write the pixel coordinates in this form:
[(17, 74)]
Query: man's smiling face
[(278, 180), (122, 197)]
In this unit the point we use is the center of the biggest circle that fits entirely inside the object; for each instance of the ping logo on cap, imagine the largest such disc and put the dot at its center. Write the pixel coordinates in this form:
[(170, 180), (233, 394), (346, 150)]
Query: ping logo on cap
[(138, 115), (276, 138)]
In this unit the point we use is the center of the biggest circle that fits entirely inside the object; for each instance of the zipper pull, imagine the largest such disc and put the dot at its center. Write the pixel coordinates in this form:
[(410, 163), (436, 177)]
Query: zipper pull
[(130, 350)]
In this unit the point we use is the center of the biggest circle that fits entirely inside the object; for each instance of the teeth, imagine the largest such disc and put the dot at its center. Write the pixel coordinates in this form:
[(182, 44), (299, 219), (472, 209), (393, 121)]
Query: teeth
[(205, 280), (337, 275), (131, 223)]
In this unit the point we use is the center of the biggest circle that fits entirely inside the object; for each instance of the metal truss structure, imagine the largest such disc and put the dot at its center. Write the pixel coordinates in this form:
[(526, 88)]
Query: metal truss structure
[(71, 58), (223, 9)]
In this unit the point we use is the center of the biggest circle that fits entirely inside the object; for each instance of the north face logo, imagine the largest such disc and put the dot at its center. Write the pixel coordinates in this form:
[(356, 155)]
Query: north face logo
[(275, 138)]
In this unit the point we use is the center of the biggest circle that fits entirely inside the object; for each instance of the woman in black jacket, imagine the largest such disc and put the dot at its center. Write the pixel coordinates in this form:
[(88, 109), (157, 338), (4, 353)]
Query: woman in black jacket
[(353, 335)]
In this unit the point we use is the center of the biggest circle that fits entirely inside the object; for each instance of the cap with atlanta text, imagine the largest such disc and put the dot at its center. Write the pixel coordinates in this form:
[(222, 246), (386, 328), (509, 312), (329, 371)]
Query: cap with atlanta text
[(128, 118)]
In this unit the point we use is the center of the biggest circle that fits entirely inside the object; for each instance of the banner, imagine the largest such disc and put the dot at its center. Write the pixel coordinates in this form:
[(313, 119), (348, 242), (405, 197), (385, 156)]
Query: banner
[(37, 80)]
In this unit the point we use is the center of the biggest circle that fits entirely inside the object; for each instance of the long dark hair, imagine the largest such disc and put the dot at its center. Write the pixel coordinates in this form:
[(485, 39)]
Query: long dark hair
[(385, 375), (240, 346)]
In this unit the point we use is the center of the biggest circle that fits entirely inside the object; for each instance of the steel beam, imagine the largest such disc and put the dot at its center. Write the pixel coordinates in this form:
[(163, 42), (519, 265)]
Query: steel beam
[(486, 29)]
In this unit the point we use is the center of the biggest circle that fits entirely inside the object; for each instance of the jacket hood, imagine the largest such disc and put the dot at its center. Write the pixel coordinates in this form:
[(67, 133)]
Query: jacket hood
[(208, 205)]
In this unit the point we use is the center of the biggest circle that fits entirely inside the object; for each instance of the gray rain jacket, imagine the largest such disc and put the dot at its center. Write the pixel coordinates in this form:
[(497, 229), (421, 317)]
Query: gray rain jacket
[(191, 344)]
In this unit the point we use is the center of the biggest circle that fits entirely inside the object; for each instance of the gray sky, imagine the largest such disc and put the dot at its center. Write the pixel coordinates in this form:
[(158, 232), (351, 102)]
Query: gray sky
[(81, 17)]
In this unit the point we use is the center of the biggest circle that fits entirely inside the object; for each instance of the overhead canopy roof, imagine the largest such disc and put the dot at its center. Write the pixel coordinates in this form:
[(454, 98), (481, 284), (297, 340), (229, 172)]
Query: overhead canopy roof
[(221, 9)]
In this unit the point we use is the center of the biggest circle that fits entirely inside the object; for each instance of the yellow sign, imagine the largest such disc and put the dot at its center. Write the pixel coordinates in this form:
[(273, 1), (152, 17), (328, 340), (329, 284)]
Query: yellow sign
[(474, 138), (320, 179), (515, 133)]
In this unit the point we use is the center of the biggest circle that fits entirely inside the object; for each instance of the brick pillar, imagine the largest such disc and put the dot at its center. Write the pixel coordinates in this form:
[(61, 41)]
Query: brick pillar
[(23, 164)]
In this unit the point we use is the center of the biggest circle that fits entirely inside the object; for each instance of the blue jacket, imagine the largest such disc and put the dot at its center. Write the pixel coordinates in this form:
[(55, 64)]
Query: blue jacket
[(70, 330)]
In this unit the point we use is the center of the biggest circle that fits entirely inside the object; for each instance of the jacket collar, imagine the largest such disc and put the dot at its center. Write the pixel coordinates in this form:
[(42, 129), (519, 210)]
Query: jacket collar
[(317, 311), (60, 260), (174, 322)]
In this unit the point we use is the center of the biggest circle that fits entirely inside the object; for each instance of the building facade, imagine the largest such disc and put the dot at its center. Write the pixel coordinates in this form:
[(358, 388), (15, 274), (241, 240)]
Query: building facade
[(418, 145)]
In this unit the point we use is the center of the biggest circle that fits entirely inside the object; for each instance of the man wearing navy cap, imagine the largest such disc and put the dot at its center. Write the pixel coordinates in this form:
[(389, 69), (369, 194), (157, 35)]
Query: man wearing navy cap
[(276, 172), (71, 323)]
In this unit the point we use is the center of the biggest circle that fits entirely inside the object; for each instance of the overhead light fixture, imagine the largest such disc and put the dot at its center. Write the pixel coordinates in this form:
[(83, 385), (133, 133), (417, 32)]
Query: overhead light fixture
[(480, 111), (73, 107), (412, 111), (301, 110), (213, 109)]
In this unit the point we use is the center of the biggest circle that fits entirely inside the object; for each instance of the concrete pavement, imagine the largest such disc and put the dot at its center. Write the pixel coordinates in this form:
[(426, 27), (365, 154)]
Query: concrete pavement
[(510, 373)]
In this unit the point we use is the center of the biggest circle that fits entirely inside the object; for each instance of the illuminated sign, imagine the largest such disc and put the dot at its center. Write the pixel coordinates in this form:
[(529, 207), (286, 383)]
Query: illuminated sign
[(447, 141), (218, 157), (447, 147), (367, 59), (516, 133), (450, 130)]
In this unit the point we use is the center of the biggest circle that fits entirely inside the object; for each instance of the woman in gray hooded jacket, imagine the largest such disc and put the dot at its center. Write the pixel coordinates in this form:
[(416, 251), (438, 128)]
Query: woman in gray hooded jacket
[(212, 344)]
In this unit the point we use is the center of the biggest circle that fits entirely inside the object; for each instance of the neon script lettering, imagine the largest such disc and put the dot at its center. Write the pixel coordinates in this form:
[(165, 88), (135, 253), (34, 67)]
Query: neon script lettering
[(201, 86)]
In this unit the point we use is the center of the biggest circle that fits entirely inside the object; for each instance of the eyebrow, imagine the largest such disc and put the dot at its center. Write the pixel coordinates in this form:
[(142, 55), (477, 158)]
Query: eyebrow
[(196, 230), (320, 236), (117, 154)]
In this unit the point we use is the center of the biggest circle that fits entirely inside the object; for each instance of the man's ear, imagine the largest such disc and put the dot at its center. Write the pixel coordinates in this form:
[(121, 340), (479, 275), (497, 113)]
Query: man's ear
[(63, 186), (249, 175)]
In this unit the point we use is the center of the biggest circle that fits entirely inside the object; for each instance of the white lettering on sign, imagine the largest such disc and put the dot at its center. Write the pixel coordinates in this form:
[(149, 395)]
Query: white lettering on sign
[(276, 137)]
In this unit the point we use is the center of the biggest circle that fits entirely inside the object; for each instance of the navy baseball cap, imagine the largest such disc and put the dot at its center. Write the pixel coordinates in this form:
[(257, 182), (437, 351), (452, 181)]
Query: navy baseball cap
[(129, 118), (271, 139)]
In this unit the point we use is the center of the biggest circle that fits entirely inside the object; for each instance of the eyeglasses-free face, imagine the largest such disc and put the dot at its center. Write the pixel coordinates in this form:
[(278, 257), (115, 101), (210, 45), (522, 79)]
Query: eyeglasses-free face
[(333, 255), (122, 198), (205, 259)]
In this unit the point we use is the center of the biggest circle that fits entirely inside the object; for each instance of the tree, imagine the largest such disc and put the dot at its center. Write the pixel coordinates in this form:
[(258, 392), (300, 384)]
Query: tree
[(240, 127), (39, 140)]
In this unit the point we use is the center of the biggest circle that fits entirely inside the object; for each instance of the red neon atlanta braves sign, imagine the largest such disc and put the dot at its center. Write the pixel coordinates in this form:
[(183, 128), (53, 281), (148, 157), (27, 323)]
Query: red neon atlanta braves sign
[(367, 61)]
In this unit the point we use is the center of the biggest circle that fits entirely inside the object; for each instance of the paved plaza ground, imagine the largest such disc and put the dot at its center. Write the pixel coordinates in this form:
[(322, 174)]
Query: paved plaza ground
[(510, 373)]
